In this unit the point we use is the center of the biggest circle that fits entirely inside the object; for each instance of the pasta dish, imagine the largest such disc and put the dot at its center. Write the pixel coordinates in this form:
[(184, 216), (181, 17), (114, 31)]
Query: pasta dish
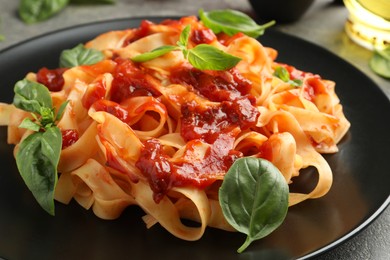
[(161, 133)]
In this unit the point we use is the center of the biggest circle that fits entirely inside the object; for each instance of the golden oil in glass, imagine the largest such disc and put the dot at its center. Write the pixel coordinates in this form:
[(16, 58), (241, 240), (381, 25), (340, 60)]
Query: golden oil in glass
[(368, 22)]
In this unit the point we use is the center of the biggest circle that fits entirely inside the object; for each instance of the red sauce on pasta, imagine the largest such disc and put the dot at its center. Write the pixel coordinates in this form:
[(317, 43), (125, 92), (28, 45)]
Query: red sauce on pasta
[(163, 174), (142, 31), (203, 36), (214, 85), (69, 137), (214, 126), (112, 108), (96, 91), (51, 78), (130, 81)]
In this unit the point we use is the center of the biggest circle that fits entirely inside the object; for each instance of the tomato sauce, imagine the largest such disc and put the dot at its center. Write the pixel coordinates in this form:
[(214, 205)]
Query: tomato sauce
[(51, 78), (202, 36), (129, 81), (69, 137), (214, 85), (163, 174), (142, 31), (215, 126), (112, 108)]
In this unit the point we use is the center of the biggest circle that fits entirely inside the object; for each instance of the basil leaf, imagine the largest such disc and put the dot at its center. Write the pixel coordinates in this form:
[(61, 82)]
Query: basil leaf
[(61, 110), (160, 51), (47, 117), (207, 57), (202, 56), (31, 96), (39, 10), (184, 36), (37, 160), (232, 22), (296, 82), (282, 73), (380, 62), (80, 55), (29, 124), (254, 198)]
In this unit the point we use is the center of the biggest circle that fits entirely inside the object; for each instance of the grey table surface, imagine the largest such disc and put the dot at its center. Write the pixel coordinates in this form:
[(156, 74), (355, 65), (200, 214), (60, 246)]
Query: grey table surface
[(322, 24)]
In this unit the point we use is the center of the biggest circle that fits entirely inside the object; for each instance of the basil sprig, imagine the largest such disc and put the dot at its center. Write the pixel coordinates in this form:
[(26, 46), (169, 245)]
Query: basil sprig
[(232, 22), (33, 11), (80, 55), (38, 154), (282, 73), (40, 10), (380, 62), (254, 198), (202, 56)]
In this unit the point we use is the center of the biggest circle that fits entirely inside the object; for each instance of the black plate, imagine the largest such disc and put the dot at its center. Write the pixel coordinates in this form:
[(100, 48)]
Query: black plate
[(359, 194)]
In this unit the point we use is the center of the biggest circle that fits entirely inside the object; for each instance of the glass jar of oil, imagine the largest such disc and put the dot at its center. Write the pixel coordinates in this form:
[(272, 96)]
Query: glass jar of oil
[(368, 23)]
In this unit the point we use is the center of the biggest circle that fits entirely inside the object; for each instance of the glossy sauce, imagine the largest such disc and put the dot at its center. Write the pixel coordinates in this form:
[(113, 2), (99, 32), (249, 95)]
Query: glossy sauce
[(69, 137), (112, 108), (200, 36), (215, 126), (129, 81), (214, 85), (142, 31), (51, 78)]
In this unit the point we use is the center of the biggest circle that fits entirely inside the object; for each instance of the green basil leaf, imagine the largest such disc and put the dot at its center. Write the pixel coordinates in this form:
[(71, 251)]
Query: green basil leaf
[(80, 55), (47, 117), (254, 198), (232, 22), (296, 83), (31, 96), (282, 73), (32, 11), (37, 160), (380, 62), (61, 110), (184, 36), (207, 57), (29, 124), (160, 51)]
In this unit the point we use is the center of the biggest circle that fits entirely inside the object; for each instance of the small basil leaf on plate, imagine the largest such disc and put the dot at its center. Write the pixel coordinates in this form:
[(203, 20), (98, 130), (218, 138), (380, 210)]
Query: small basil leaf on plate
[(47, 117), (155, 53), (184, 36), (232, 22), (380, 62), (61, 110), (37, 160), (284, 75), (31, 96), (207, 57), (27, 123), (32, 11), (254, 198), (80, 55)]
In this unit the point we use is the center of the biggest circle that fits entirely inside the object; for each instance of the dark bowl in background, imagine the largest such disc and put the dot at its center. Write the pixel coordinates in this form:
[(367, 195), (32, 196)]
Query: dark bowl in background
[(282, 11)]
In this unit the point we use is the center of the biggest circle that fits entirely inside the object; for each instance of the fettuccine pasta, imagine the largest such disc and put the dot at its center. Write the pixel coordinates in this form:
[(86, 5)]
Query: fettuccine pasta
[(162, 134)]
